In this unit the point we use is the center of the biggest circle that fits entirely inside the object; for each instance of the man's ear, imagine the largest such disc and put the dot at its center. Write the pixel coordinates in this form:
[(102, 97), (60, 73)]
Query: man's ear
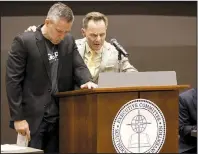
[(47, 22), (83, 32)]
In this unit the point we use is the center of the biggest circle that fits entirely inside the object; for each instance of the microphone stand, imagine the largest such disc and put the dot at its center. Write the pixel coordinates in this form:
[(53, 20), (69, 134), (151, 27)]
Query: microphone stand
[(119, 61)]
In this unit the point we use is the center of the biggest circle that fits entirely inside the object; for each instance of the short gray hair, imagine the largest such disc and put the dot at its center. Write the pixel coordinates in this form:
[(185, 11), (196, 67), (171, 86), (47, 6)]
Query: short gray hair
[(60, 10)]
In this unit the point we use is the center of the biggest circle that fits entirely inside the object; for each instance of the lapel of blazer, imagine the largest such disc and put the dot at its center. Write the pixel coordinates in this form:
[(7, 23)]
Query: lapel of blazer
[(62, 49), (106, 53), (81, 46), (43, 51)]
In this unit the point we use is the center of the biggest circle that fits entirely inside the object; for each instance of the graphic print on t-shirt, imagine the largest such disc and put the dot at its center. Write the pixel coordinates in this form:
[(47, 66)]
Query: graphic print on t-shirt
[(52, 57)]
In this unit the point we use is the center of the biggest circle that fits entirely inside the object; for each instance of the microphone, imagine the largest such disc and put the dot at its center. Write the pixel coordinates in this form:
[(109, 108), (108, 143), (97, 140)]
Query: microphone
[(119, 47)]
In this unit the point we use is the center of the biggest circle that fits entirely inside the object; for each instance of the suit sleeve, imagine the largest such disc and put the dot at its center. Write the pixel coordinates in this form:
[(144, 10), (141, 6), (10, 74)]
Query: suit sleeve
[(81, 72), (126, 66), (15, 69), (184, 119)]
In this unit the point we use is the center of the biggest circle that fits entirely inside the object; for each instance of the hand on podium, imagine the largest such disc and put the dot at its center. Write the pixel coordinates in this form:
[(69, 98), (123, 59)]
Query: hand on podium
[(89, 85)]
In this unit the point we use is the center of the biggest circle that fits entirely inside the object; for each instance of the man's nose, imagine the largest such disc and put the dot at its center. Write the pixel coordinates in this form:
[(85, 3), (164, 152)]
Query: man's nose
[(98, 38)]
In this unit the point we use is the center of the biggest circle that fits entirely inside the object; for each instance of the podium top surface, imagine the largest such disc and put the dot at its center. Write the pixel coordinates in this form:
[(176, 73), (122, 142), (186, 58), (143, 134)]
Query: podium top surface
[(121, 89)]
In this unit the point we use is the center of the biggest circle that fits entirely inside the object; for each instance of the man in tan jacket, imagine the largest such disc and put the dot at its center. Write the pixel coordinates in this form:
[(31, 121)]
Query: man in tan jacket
[(99, 55)]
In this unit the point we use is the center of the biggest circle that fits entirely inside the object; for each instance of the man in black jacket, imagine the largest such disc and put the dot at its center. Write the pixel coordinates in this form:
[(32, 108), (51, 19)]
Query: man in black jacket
[(39, 65), (187, 121)]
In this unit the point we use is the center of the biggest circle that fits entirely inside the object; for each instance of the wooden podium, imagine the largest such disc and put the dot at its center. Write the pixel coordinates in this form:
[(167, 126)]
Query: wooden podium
[(86, 116)]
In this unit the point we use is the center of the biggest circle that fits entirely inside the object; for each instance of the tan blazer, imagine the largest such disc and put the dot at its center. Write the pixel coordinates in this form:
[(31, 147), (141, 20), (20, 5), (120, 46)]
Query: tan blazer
[(109, 61)]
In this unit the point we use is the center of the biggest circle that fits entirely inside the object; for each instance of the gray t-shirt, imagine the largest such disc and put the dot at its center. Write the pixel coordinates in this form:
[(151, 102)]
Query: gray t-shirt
[(52, 110)]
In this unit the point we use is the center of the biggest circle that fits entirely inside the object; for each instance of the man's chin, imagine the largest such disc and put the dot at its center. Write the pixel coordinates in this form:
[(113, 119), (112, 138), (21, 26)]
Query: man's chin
[(97, 48), (56, 42)]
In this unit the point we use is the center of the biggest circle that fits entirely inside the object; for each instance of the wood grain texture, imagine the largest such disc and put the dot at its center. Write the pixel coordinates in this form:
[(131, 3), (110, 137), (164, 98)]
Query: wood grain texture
[(108, 106), (78, 124), (120, 89), (167, 101), (86, 119)]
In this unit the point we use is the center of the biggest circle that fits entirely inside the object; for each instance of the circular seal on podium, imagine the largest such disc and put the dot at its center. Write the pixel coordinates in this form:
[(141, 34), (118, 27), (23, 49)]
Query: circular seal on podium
[(139, 127)]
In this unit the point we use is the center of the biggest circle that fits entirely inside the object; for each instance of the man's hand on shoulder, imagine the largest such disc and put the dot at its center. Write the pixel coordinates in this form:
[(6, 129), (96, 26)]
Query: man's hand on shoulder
[(31, 28)]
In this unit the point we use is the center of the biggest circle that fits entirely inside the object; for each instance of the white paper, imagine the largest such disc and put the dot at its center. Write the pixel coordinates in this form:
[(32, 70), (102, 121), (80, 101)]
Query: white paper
[(11, 147), (22, 140)]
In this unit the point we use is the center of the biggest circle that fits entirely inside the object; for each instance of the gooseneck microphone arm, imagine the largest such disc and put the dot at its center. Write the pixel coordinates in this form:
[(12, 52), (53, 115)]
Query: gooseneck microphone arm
[(121, 52)]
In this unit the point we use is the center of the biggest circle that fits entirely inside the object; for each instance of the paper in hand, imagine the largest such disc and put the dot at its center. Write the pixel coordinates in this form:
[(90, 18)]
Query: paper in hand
[(22, 140)]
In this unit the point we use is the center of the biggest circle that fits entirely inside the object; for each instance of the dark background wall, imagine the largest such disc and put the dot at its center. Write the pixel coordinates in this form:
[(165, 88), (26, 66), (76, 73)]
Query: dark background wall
[(159, 36)]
